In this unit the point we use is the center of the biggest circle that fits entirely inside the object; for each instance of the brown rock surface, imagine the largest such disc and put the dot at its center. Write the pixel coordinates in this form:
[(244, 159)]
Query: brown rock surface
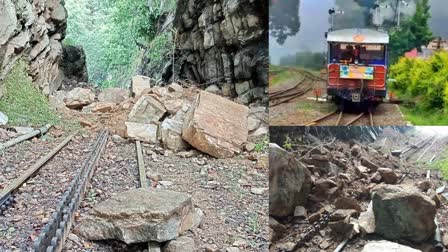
[(216, 126)]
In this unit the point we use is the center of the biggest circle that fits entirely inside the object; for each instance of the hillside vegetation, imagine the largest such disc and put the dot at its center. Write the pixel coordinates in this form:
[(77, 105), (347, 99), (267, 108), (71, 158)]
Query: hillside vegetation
[(423, 85), (24, 104), (115, 33)]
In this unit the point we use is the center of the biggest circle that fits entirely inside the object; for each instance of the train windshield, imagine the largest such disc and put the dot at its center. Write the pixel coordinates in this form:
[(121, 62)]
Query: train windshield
[(368, 54)]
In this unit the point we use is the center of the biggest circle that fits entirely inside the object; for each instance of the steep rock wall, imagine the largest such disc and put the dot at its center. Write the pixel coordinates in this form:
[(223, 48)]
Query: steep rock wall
[(225, 42), (33, 29)]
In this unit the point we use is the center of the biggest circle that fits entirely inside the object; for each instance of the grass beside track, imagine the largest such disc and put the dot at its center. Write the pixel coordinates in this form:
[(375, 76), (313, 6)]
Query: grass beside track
[(25, 105), (421, 117), (280, 74)]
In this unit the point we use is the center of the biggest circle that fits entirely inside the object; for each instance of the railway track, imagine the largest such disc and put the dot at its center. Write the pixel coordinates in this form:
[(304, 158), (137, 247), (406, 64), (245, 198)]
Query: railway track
[(7, 194), (52, 237), (303, 86), (338, 120)]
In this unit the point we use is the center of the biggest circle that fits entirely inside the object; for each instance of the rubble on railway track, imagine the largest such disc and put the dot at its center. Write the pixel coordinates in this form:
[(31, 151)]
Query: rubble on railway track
[(224, 172), (355, 192)]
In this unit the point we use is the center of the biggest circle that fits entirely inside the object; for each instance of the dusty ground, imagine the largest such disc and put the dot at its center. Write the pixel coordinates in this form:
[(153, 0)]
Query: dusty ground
[(221, 188), (304, 109), (325, 240), (38, 197)]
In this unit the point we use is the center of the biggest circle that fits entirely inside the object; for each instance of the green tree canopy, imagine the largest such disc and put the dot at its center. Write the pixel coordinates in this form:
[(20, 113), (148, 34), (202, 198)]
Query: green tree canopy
[(112, 33), (413, 33)]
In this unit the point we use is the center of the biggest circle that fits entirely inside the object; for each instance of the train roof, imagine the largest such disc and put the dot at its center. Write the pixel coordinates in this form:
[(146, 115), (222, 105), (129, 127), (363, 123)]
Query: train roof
[(361, 36)]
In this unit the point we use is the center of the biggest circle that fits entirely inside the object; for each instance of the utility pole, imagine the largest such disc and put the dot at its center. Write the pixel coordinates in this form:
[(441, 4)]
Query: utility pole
[(332, 12), (399, 10)]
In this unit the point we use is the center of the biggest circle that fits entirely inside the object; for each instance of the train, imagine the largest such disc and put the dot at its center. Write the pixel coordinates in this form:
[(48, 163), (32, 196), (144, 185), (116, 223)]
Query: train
[(357, 62)]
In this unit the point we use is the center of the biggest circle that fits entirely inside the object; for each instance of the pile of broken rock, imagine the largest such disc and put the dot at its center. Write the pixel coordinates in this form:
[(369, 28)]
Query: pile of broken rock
[(325, 194), (178, 117)]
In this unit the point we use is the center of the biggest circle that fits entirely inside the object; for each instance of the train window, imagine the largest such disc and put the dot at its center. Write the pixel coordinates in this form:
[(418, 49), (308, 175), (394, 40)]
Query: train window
[(364, 54)]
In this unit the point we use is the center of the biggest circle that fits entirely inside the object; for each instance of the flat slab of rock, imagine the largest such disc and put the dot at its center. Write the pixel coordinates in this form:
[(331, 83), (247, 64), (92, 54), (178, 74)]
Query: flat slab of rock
[(403, 213), (139, 216), (216, 126), (387, 246)]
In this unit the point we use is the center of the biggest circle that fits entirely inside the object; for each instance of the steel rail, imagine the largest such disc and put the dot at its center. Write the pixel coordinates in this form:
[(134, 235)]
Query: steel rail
[(427, 149), (141, 166), (54, 234), (293, 96), (354, 120), (24, 137), (371, 121), (276, 93), (6, 198), (320, 118), (338, 122)]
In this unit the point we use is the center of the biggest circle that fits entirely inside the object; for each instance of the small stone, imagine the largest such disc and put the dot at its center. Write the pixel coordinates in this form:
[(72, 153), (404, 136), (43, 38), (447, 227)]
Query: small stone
[(198, 217), (324, 245), (424, 185), (347, 203), (300, 211), (3, 119), (211, 248), (166, 183), (154, 177), (388, 175), (240, 243), (258, 191), (232, 249), (376, 178), (249, 147), (118, 139), (180, 244), (445, 240), (86, 123), (154, 247)]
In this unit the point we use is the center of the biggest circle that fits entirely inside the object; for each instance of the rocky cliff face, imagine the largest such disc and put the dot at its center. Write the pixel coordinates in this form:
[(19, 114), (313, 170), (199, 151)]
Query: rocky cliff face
[(225, 42), (33, 29)]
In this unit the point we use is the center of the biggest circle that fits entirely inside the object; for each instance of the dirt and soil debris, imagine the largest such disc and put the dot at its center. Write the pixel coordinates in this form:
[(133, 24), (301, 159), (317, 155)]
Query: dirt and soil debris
[(334, 199)]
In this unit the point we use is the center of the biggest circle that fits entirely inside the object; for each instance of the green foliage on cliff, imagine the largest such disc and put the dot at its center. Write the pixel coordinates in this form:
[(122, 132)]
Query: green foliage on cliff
[(113, 32), (423, 84), (23, 103)]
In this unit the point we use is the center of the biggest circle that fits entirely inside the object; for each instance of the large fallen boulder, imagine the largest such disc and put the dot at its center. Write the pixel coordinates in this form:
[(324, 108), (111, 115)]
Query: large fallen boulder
[(79, 97), (387, 246), (114, 95), (289, 182), (147, 110), (215, 125), (140, 215), (403, 213)]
